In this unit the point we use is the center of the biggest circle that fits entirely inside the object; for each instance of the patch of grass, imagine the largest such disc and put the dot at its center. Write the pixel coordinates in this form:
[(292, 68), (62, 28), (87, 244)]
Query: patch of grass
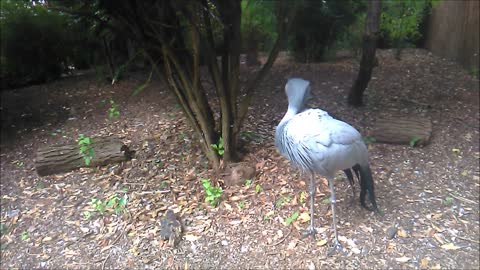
[(213, 193)]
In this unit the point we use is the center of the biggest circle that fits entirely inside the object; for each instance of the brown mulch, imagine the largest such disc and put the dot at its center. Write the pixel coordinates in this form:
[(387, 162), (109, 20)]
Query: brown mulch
[(429, 195)]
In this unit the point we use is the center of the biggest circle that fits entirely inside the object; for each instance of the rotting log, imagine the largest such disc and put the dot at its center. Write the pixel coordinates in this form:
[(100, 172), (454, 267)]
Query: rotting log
[(405, 129), (64, 158)]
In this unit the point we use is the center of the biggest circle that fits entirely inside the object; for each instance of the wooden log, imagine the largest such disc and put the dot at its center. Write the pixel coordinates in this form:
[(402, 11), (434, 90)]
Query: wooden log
[(403, 129), (64, 158)]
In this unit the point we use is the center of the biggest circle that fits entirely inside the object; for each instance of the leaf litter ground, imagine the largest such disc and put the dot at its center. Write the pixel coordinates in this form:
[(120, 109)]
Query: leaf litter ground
[(429, 195)]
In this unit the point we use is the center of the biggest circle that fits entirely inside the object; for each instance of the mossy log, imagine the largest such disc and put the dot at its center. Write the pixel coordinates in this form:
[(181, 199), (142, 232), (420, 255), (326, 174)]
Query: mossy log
[(407, 129), (64, 158)]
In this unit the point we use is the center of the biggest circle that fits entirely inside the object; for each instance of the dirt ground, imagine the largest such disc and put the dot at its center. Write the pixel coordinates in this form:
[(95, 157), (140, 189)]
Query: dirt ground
[(429, 194)]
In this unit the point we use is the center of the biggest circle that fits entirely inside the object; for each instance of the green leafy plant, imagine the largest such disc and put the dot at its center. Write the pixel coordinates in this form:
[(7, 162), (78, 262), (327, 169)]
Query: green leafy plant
[(86, 150), (248, 182), (303, 196), (99, 205), (326, 200), (283, 201), (414, 141), (241, 204), (213, 193), (448, 200), (18, 163), (291, 218), (113, 111), (87, 215), (116, 203), (219, 147), (258, 188), (25, 235)]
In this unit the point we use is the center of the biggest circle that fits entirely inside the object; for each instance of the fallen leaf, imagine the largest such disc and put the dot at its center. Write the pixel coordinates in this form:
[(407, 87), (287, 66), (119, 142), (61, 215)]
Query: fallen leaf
[(47, 239), (227, 206), (403, 259), (322, 243), (292, 244), (424, 262), (402, 233), (191, 237), (450, 246), (356, 250), (391, 247), (304, 217)]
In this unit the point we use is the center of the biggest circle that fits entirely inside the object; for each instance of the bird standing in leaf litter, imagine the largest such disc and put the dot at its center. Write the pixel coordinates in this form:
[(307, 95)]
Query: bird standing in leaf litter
[(317, 143)]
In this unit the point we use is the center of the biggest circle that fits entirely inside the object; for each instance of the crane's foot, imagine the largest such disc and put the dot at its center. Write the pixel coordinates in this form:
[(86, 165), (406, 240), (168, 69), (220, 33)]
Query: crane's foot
[(336, 247), (309, 232)]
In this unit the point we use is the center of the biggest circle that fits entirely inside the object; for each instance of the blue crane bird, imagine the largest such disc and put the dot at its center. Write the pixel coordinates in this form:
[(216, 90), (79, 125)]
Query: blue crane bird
[(317, 143)]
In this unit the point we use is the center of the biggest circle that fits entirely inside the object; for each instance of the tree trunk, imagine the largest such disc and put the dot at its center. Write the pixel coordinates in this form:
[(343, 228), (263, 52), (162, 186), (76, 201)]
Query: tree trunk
[(372, 29), (64, 158), (403, 130)]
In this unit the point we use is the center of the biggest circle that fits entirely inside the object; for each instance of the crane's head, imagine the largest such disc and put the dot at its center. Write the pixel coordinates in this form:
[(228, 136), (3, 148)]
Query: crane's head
[(298, 93)]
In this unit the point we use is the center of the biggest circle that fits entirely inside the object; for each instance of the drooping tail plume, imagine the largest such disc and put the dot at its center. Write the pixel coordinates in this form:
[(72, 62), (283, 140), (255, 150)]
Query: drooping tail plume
[(366, 186)]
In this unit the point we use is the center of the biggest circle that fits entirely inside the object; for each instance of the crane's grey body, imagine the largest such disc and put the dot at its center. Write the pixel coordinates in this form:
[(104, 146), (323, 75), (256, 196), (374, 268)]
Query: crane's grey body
[(317, 143)]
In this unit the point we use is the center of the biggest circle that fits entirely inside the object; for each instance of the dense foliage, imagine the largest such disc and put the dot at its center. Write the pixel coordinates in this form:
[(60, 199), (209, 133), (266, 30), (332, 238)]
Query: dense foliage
[(318, 24)]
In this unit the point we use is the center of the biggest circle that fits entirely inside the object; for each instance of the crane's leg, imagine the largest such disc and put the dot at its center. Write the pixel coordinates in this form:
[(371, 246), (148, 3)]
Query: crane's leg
[(336, 245), (311, 229)]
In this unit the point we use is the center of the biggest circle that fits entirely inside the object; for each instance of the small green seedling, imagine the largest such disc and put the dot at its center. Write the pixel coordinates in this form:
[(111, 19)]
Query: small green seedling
[(303, 196), (18, 163), (448, 200), (25, 235), (268, 215), (241, 204), (258, 188), (99, 205), (291, 218), (219, 147), (213, 193), (117, 204), (414, 141), (283, 201), (113, 111), (248, 182), (87, 215), (86, 149)]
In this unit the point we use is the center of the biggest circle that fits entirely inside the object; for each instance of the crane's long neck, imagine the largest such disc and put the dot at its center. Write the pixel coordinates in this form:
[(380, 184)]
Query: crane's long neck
[(291, 112)]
